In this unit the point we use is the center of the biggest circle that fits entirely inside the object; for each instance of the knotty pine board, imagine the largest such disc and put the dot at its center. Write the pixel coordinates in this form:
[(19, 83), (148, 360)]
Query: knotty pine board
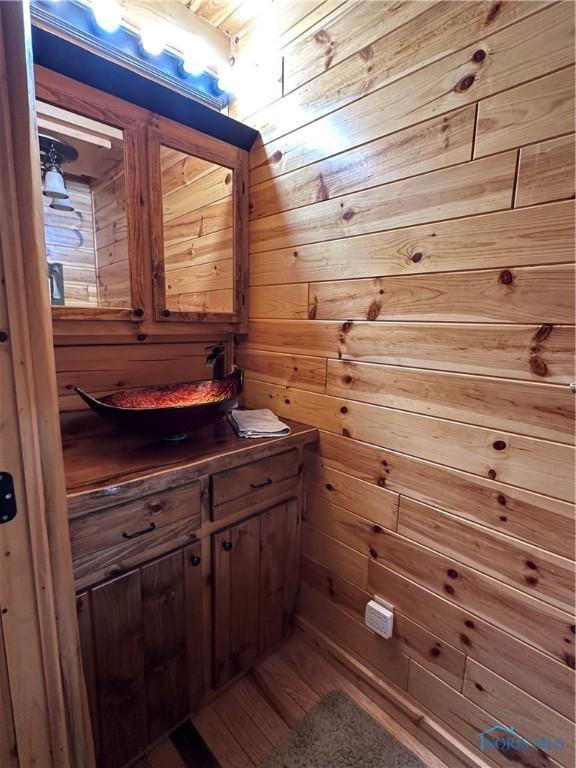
[(480, 640), (535, 46), (538, 235), (441, 28)]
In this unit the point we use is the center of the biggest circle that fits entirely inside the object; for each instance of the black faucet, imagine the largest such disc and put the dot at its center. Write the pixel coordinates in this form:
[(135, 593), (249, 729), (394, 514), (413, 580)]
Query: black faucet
[(217, 360)]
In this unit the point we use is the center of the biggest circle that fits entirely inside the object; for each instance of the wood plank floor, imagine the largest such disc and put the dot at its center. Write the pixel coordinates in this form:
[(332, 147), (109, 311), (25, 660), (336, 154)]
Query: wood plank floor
[(242, 725)]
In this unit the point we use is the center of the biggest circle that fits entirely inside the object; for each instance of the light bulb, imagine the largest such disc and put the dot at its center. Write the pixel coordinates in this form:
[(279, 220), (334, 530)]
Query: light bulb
[(227, 80), (196, 56), (152, 40), (107, 14)]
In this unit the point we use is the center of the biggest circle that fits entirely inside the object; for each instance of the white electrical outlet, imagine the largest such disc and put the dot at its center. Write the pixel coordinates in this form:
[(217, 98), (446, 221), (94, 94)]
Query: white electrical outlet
[(379, 617)]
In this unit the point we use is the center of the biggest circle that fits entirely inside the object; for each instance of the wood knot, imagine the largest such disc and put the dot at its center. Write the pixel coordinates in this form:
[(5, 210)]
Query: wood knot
[(532, 580), (465, 639), (344, 409), (322, 193), (570, 660), (346, 326), (573, 629), (499, 445), (449, 589), (228, 178), (506, 277), (367, 53), (538, 366), (479, 55), (502, 499), (329, 487), (416, 257), (470, 624), (382, 482), (373, 310), (376, 529), (479, 687), (493, 13), (348, 214), (346, 433), (492, 474), (321, 36), (466, 83), (141, 336), (452, 573), (3, 336), (313, 309), (504, 518), (530, 564), (347, 379), (435, 652), (542, 333), (373, 553)]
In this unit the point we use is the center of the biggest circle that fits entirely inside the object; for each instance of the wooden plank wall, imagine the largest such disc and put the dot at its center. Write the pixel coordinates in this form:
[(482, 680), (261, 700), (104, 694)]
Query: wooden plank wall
[(70, 241), (198, 214), (412, 295)]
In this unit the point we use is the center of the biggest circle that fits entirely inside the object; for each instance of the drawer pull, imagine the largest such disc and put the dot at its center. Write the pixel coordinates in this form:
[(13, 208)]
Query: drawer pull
[(268, 481), (226, 546), (151, 527), (195, 560), (155, 507)]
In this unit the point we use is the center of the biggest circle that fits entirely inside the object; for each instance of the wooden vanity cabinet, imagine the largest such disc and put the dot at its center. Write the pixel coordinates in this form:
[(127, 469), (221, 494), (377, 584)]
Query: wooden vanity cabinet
[(142, 636), (185, 576)]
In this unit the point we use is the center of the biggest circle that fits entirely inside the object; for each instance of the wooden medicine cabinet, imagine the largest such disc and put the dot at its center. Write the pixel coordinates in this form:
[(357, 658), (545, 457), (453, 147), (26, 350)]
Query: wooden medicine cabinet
[(145, 219)]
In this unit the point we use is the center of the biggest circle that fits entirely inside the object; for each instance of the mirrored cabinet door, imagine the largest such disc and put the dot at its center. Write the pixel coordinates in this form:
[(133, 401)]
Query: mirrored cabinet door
[(198, 233), (198, 244), (85, 188)]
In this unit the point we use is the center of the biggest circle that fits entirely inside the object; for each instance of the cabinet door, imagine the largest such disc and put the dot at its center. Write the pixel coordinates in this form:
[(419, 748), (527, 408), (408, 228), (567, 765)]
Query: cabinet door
[(117, 625), (255, 586), (199, 200), (236, 562), (164, 643), (142, 638), (93, 177), (279, 571)]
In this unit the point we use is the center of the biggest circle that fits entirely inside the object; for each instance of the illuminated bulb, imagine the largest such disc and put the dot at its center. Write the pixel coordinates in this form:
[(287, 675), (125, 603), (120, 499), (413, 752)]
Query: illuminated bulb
[(107, 14), (227, 80), (196, 57), (152, 40)]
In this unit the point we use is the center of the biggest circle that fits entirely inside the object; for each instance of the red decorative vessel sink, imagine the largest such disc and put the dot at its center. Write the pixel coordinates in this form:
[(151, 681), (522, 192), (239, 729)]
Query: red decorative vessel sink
[(171, 411)]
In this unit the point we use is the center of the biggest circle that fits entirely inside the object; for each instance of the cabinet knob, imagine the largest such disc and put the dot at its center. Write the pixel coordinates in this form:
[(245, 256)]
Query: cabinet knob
[(166, 312), (139, 312), (195, 560), (155, 507), (226, 546)]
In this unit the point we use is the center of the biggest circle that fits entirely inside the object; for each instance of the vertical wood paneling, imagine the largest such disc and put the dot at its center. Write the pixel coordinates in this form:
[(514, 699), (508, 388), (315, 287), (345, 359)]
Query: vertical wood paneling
[(394, 278)]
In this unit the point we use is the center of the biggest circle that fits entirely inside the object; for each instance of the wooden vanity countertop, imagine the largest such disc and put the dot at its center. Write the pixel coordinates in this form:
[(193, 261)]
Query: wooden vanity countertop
[(98, 457)]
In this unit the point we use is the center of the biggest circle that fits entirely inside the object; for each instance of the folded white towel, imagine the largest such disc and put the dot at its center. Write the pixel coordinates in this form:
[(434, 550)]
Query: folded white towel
[(260, 423)]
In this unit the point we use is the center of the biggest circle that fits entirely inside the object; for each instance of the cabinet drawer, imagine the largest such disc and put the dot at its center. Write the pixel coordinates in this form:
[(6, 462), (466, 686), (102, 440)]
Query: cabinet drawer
[(254, 482), (143, 519)]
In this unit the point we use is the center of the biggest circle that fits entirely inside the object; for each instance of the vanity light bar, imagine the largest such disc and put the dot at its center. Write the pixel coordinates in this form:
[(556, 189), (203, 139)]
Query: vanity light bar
[(100, 29)]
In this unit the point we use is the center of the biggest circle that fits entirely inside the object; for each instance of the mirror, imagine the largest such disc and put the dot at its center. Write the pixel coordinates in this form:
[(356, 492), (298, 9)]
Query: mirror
[(198, 233), (84, 204)]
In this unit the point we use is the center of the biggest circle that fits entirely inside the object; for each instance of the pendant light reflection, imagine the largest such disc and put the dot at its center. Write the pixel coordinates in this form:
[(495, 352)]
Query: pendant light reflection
[(61, 205), (53, 153)]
